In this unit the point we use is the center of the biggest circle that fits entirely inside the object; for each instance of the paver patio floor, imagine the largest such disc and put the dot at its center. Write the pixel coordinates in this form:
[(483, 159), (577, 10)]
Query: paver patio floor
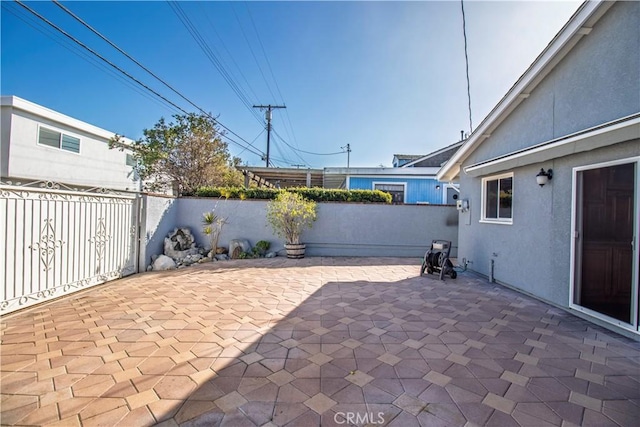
[(319, 341)]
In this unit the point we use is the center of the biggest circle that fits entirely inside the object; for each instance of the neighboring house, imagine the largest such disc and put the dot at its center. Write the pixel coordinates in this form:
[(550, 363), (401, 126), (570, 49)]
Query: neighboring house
[(412, 182), (434, 159), (39, 144), (574, 115), (400, 160), (406, 186)]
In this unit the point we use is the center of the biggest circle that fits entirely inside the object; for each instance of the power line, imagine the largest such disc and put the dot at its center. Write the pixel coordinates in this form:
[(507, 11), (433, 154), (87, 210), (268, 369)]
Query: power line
[(266, 57), (71, 47), (99, 56), (204, 46), (294, 151), (251, 50), (175, 106), (224, 46), (254, 140), (308, 152), (466, 58), (96, 32), (264, 53)]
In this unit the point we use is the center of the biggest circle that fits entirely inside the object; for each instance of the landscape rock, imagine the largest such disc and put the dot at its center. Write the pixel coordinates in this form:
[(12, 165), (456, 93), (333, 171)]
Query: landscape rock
[(163, 263), (191, 259), (180, 243), (271, 254), (237, 246), (222, 257)]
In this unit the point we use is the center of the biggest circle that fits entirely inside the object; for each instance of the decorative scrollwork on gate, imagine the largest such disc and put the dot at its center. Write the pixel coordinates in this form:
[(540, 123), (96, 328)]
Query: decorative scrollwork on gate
[(47, 245), (100, 239)]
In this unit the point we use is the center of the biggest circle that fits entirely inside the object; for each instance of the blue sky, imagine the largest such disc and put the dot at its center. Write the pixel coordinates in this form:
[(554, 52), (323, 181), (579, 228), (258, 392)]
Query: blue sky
[(384, 77)]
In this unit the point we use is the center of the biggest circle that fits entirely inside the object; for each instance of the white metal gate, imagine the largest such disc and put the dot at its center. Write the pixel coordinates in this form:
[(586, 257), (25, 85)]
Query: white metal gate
[(57, 241)]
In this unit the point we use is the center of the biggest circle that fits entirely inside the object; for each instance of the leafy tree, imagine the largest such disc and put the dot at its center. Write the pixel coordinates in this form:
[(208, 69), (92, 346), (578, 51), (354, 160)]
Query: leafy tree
[(289, 214), (188, 153)]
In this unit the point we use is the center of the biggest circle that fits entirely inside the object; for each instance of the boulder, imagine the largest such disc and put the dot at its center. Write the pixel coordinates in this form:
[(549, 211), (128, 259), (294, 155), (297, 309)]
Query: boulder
[(180, 243), (221, 257), (191, 259), (163, 262), (237, 246), (271, 254)]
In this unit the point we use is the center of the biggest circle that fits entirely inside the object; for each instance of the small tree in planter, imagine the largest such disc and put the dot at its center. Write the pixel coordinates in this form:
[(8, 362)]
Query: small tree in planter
[(289, 214)]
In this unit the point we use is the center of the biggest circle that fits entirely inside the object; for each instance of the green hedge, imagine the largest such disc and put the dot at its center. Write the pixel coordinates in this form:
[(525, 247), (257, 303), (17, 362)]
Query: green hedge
[(315, 194)]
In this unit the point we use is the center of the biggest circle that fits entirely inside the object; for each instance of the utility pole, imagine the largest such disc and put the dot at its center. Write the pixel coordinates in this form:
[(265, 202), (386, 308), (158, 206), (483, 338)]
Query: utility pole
[(267, 116), (348, 147)]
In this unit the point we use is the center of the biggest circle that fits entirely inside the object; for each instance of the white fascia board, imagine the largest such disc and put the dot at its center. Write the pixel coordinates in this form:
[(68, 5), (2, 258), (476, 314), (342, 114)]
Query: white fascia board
[(38, 110), (382, 171), (602, 136), (559, 47)]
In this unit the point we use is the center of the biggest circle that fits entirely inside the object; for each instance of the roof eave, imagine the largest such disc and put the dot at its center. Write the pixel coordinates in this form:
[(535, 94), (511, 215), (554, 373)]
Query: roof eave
[(577, 27), (47, 113)]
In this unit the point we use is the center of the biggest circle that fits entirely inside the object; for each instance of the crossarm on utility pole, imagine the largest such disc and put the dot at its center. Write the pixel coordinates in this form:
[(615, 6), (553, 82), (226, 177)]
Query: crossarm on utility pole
[(267, 115)]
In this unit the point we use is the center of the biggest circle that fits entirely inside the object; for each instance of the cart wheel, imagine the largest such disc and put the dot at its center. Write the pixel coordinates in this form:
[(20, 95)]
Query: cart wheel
[(454, 274), (422, 269)]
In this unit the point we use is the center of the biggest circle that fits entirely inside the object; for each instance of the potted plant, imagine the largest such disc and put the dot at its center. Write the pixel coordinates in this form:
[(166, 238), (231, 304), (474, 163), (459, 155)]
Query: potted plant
[(289, 214)]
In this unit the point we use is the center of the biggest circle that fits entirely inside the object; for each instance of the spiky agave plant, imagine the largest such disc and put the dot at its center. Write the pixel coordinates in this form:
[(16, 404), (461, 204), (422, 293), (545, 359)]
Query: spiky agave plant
[(212, 227)]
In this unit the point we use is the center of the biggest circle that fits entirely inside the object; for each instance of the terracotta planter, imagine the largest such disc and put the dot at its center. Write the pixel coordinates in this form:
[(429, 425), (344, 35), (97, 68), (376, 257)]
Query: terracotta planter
[(295, 251)]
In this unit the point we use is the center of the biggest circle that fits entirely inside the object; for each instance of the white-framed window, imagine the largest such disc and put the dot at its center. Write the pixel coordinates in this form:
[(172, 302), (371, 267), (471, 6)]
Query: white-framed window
[(57, 139), (130, 160), (497, 199), (398, 190)]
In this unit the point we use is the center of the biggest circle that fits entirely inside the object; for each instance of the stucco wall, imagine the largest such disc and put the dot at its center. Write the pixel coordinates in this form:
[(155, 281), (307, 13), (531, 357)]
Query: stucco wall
[(597, 82), (341, 229), (5, 132), (94, 166), (533, 254), (158, 218)]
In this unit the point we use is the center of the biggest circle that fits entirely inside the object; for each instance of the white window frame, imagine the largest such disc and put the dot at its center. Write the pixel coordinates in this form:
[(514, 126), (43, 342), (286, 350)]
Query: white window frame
[(404, 184), (62, 133), (483, 218)]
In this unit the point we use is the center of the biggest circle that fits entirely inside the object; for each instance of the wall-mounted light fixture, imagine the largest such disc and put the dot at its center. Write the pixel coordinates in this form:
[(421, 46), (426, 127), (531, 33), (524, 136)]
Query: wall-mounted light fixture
[(544, 177), (438, 187)]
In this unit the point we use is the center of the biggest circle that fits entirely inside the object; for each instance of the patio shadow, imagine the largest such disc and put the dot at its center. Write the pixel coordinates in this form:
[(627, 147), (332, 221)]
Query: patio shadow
[(312, 342)]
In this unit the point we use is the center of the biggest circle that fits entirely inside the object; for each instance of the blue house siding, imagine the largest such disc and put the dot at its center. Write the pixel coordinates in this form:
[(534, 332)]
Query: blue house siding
[(418, 190)]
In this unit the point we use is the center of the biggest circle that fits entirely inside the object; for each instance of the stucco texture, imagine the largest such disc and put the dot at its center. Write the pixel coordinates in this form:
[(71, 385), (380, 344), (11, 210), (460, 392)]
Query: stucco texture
[(342, 229), (597, 82)]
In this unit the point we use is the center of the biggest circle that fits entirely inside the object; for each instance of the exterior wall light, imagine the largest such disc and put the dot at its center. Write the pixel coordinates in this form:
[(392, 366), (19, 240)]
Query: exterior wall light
[(544, 177), (438, 187)]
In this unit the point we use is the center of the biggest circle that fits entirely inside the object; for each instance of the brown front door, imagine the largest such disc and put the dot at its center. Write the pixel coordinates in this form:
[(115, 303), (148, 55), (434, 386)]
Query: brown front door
[(608, 216)]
